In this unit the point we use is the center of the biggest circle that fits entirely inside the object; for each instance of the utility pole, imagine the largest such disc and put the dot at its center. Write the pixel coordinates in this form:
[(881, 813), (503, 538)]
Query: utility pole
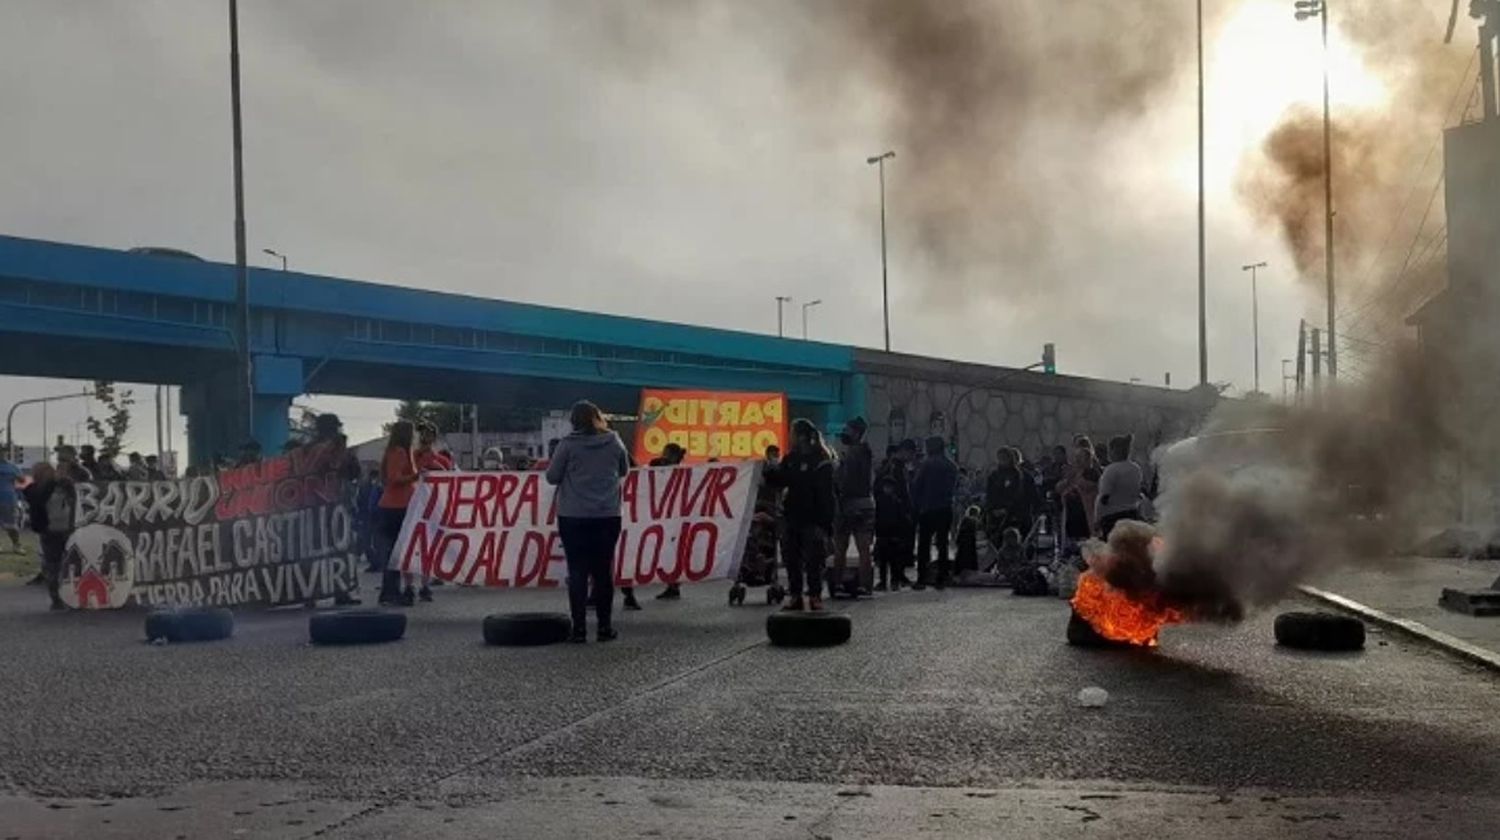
[(1202, 245), (781, 300), (1317, 363), (474, 436), (158, 422), (1301, 358), (1333, 366), (885, 282), (1255, 315), (169, 427), (1319, 9), (241, 272)]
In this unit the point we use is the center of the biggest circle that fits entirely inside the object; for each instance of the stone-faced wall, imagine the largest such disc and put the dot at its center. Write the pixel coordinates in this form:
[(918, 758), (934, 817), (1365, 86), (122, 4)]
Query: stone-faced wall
[(910, 396)]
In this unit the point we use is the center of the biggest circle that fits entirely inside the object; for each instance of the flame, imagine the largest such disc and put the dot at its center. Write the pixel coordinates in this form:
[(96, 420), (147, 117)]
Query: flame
[(1119, 617)]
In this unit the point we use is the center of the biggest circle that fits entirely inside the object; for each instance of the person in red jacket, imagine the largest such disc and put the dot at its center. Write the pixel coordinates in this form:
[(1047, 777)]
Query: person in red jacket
[(427, 455), (398, 474)]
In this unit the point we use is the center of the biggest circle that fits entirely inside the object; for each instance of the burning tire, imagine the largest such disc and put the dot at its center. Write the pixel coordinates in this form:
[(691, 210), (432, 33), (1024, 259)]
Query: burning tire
[(189, 624), (356, 627), (1080, 633), (808, 629), (526, 629), (1319, 631)]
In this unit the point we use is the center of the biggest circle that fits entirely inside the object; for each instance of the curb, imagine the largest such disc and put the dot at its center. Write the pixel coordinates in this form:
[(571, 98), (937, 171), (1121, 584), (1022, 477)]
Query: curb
[(1448, 644)]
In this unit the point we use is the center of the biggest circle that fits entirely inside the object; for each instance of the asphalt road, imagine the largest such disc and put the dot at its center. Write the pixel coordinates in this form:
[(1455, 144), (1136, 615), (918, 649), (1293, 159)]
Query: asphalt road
[(949, 714)]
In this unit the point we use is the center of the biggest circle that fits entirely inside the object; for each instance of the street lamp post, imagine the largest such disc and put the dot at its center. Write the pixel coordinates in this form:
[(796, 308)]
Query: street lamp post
[(806, 306), (1319, 9), (277, 254), (781, 300), (1202, 224), (241, 272), (1255, 314), (885, 284), (10, 417)]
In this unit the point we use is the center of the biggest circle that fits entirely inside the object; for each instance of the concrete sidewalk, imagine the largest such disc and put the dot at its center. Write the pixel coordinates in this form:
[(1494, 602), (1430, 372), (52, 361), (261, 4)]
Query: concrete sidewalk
[(1405, 598)]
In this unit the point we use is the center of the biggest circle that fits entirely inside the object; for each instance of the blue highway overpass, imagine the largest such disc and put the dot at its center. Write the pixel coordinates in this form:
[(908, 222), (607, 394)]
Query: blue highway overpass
[(81, 312)]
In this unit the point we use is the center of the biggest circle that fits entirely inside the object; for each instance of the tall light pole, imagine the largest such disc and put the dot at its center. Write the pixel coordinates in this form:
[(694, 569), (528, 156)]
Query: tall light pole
[(277, 254), (1255, 315), (1202, 243), (885, 282), (241, 273), (781, 300), (806, 306), (1319, 9)]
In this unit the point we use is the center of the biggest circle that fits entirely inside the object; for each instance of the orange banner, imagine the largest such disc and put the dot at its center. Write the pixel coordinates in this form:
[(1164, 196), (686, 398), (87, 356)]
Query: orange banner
[(726, 425)]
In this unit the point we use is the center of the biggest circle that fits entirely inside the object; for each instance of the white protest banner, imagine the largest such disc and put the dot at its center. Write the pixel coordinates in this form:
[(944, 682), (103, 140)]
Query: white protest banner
[(678, 525)]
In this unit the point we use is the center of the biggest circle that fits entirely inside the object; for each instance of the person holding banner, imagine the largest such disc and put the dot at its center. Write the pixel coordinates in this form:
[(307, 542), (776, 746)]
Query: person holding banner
[(398, 475), (586, 469), (428, 458), (671, 456), (808, 511)]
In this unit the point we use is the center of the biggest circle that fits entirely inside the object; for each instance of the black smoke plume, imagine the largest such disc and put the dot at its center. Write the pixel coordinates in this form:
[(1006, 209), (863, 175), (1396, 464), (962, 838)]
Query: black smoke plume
[(1267, 497)]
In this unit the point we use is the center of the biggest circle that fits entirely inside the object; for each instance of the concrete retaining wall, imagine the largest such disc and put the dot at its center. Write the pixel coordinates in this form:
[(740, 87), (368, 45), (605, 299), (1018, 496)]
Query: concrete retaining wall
[(987, 407)]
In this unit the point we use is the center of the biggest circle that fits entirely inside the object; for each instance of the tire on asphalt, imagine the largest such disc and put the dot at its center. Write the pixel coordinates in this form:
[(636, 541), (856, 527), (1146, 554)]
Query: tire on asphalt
[(808, 629), (1319, 631), (526, 629), (356, 627), (189, 624), (1081, 633)]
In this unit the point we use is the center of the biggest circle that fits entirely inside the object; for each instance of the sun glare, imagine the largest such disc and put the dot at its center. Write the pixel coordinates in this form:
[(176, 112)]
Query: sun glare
[(1262, 62), (1265, 61)]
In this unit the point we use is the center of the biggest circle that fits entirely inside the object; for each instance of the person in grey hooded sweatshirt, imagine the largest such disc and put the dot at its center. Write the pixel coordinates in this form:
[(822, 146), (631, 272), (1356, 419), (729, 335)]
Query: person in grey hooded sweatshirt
[(586, 470)]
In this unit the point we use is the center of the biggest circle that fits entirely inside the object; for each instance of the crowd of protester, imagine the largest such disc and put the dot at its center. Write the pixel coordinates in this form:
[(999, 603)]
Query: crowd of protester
[(914, 508)]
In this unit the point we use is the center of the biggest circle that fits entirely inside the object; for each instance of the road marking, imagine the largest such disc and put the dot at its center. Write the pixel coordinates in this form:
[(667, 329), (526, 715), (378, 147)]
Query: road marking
[(576, 723)]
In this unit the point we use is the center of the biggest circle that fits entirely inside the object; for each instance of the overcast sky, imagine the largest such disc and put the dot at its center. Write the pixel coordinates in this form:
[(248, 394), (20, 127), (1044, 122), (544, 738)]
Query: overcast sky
[(637, 159)]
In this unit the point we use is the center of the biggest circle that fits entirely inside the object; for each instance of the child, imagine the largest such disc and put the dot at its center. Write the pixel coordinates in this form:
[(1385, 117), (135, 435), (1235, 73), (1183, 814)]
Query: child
[(967, 559), (1011, 557), (892, 533)]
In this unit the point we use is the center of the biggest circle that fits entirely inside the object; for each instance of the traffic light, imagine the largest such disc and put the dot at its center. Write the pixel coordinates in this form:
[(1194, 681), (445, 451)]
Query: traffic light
[(1049, 358)]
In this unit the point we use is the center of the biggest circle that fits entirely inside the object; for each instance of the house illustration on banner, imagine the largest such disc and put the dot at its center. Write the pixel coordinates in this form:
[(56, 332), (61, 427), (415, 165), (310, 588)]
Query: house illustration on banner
[(92, 585), (97, 569)]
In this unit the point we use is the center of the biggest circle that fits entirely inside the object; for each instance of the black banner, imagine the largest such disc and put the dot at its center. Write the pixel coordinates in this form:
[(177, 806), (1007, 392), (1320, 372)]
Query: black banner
[(280, 531)]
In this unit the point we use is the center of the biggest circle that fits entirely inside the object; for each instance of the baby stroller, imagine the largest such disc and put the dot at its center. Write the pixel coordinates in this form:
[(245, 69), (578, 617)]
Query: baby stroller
[(758, 567), (1043, 542)]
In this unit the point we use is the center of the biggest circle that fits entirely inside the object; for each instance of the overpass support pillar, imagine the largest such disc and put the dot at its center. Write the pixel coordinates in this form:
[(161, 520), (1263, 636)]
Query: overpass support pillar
[(851, 404), (209, 404), (277, 380)]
